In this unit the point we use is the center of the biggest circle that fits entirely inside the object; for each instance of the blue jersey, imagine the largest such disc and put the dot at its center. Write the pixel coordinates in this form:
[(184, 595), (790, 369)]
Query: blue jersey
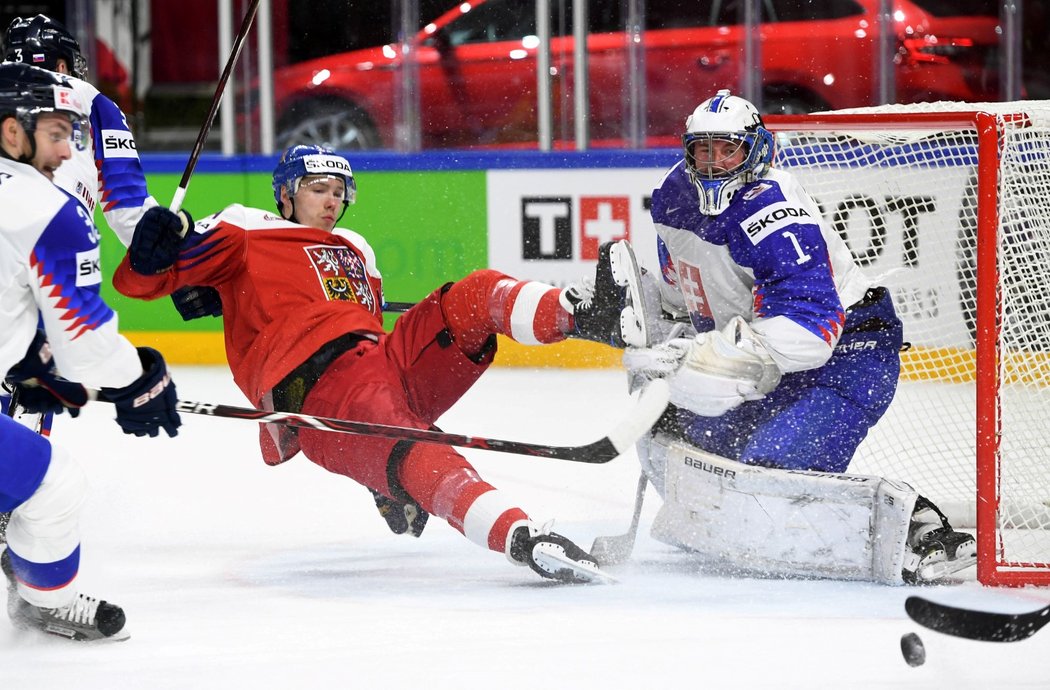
[(769, 258), (50, 275)]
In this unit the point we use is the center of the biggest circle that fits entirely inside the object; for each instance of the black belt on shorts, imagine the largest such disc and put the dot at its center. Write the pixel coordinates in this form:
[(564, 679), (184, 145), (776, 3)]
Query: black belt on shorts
[(290, 393)]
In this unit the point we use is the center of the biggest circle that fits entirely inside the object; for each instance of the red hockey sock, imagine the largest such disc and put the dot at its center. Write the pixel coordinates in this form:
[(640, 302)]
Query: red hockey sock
[(487, 302), (444, 484)]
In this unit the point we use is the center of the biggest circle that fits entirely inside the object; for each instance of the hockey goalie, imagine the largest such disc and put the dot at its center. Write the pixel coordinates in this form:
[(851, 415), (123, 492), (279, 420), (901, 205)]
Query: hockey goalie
[(780, 354)]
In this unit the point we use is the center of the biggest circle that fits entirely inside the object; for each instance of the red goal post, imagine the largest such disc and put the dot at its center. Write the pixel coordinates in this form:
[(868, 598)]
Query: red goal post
[(948, 205)]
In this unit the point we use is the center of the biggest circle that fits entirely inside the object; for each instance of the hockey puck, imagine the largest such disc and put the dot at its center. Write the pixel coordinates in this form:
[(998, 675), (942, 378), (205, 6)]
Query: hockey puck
[(913, 650)]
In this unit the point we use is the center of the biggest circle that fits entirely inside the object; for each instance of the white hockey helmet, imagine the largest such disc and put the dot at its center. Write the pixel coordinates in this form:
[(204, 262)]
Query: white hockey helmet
[(726, 147)]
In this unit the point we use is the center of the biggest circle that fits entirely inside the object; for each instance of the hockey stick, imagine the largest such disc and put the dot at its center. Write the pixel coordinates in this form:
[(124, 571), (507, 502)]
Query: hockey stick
[(647, 409), (220, 88), (398, 307), (614, 550), (985, 626)]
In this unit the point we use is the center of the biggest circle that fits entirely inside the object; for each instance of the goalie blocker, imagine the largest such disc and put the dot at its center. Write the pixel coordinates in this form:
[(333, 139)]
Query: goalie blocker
[(799, 523)]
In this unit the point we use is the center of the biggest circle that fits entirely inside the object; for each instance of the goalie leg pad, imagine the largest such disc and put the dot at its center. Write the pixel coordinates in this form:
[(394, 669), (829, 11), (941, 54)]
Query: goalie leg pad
[(783, 522)]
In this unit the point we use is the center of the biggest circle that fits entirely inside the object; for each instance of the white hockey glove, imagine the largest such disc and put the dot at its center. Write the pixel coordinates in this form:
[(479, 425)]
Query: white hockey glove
[(711, 373)]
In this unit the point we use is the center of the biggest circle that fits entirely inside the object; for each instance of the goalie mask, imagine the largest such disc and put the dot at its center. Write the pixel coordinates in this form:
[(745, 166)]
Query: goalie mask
[(28, 92), (726, 147), (41, 41), (300, 165)]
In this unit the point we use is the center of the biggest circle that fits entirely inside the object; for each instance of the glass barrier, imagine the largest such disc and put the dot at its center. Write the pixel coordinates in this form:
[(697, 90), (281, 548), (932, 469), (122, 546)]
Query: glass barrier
[(409, 74)]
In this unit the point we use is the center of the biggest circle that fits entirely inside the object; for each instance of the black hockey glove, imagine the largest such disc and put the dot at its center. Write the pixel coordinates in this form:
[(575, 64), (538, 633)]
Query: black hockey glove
[(196, 301), (38, 387), (157, 239), (147, 405)]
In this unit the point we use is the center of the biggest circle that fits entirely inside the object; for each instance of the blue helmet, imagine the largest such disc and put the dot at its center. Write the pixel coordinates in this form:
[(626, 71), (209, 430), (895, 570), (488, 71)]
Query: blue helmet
[(304, 159), (734, 122)]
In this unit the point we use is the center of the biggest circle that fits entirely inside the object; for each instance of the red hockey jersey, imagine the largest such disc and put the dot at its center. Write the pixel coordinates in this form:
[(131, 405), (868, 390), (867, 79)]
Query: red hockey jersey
[(286, 289)]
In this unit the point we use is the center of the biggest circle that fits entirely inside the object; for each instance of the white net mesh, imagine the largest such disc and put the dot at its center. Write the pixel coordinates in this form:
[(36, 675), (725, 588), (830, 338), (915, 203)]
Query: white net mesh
[(905, 199)]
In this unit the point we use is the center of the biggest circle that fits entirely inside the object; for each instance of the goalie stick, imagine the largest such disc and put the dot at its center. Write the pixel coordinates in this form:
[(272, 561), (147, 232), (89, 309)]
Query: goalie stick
[(986, 626), (647, 409), (615, 549)]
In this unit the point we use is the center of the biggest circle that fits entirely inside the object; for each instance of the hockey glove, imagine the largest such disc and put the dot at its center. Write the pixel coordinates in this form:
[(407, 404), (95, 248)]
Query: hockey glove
[(38, 387), (148, 404), (197, 301), (712, 373), (157, 239)]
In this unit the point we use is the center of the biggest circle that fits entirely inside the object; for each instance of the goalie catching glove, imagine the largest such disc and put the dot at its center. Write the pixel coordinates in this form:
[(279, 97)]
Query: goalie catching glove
[(711, 373), (39, 388)]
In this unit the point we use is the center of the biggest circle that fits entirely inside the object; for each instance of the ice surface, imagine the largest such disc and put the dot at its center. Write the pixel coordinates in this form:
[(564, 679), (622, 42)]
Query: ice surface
[(234, 574)]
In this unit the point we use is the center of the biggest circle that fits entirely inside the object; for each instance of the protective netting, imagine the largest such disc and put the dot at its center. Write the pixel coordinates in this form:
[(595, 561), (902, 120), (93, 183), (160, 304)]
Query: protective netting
[(905, 199)]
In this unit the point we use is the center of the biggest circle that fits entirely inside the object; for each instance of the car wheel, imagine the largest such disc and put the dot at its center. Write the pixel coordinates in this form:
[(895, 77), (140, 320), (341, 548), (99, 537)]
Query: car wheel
[(335, 124)]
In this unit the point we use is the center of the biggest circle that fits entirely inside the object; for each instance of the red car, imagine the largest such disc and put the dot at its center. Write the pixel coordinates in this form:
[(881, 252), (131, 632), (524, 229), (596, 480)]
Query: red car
[(477, 72)]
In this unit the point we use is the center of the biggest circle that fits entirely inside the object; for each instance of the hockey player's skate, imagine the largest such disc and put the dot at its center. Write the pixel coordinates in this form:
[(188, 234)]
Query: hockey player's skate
[(552, 555), (611, 310), (85, 620), (401, 518), (935, 550)]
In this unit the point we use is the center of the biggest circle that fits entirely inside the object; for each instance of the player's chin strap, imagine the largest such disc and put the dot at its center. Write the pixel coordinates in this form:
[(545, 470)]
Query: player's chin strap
[(28, 160)]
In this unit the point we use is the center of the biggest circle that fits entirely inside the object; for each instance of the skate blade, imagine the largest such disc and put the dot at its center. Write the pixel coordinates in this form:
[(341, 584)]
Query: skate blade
[(554, 561), (633, 323), (940, 568), (52, 632)]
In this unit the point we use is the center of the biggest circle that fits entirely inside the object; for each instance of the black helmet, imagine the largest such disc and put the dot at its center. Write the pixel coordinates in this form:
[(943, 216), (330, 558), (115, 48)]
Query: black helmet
[(41, 41), (27, 91)]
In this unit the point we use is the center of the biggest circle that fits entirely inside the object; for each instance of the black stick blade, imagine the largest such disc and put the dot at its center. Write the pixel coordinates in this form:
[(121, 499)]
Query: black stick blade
[(986, 626)]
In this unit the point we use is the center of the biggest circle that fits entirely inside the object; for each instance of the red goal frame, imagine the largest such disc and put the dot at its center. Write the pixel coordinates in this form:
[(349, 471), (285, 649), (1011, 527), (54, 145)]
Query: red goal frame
[(991, 568)]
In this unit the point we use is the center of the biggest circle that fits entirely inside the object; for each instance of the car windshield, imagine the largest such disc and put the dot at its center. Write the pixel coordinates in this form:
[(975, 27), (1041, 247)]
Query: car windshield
[(959, 8)]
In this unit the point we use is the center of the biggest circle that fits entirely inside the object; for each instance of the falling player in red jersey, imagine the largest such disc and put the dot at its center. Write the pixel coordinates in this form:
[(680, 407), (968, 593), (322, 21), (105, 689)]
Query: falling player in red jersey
[(302, 301)]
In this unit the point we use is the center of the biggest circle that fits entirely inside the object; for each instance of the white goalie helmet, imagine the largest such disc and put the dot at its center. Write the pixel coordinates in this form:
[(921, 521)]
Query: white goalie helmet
[(726, 147)]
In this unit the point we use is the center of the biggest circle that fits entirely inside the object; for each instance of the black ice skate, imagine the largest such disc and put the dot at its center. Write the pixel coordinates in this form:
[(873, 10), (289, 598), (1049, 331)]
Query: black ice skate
[(552, 555), (401, 518), (85, 620), (610, 309), (934, 549)]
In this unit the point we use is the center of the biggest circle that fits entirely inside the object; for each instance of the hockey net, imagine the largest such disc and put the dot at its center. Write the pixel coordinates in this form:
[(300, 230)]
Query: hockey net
[(948, 205)]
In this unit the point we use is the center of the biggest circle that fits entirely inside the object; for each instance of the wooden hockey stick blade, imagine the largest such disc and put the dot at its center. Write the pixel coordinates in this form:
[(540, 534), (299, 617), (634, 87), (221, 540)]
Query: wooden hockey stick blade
[(647, 409), (986, 626), (616, 549)]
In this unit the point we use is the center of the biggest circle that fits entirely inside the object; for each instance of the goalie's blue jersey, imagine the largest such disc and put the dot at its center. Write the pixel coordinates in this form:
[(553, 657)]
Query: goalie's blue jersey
[(771, 259)]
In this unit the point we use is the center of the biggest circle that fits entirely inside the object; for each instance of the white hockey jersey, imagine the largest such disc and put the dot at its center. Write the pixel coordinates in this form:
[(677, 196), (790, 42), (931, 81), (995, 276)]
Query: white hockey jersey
[(105, 168), (50, 274)]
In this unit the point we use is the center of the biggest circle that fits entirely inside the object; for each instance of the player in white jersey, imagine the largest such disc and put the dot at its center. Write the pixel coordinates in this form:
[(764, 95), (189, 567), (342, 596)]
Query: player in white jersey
[(780, 354), (57, 329), (105, 168)]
